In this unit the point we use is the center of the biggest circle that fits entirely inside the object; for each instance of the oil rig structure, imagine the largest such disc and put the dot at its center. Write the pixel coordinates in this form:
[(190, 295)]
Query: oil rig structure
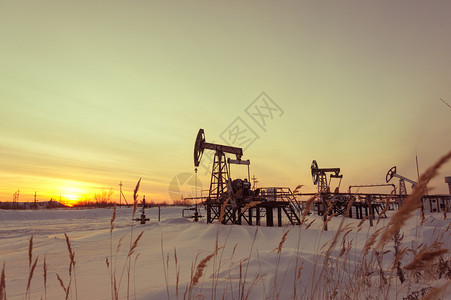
[(233, 201)]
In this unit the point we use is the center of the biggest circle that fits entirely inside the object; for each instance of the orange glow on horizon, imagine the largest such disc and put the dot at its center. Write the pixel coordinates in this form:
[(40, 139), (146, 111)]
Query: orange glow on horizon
[(70, 193)]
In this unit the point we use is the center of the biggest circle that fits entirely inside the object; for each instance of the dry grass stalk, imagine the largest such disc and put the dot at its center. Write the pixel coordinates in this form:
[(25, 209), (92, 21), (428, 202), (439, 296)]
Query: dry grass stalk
[(296, 189), (30, 275), (223, 206), (359, 226), (328, 220), (349, 206), (421, 258), (308, 205), (135, 244), (177, 272), (299, 272), (30, 251), (135, 197), (282, 241), (309, 224), (387, 205), (165, 270), (71, 266), (242, 283), (113, 218), (45, 276), (413, 202), (361, 222), (61, 282), (399, 253), (69, 249), (437, 292), (343, 243), (200, 269), (119, 244), (249, 205), (423, 217), (3, 284), (110, 270), (66, 290), (334, 240), (371, 241)]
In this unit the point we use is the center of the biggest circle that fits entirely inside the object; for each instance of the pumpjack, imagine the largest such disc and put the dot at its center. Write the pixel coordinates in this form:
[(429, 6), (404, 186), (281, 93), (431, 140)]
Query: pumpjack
[(231, 196), (402, 180), (319, 177)]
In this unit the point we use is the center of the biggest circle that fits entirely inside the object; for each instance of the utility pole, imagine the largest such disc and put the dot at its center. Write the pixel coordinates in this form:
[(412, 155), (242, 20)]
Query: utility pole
[(120, 193)]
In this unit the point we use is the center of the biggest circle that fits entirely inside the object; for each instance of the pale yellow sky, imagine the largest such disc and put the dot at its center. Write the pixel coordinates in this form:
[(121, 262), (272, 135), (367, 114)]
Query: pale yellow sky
[(95, 92)]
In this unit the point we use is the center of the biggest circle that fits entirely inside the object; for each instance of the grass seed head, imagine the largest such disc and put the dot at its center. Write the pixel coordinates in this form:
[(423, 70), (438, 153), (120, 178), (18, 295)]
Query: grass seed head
[(420, 260), (113, 218), (224, 205), (249, 205), (200, 269), (282, 241), (135, 197), (30, 251)]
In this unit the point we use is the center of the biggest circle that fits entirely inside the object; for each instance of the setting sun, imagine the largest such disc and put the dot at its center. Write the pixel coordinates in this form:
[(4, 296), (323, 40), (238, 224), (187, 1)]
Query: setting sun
[(71, 192)]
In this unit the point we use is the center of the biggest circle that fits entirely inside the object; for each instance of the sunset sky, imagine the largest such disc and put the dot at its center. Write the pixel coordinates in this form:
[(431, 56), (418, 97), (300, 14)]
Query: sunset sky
[(97, 92)]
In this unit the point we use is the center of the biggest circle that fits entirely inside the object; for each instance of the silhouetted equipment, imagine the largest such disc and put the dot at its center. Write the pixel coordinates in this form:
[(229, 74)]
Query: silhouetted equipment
[(142, 219), (448, 181), (402, 185), (220, 172), (319, 177), (195, 213), (234, 200)]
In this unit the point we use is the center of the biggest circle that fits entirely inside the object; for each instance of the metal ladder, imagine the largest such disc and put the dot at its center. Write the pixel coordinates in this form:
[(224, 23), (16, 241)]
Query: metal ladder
[(291, 214)]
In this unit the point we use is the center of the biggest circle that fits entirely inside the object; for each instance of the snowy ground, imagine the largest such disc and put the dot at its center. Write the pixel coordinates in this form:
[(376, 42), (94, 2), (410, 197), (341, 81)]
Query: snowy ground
[(247, 255)]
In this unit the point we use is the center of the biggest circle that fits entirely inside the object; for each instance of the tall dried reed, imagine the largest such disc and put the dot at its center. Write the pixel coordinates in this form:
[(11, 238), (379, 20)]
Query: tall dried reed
[(44, 267), (135, 197), (223, 208), (423, 257), (307, 207), (3, 284), (110, 262), (66, 289), (135, 206), (71, 264), (278, 250), (31, 267), (200, 269)]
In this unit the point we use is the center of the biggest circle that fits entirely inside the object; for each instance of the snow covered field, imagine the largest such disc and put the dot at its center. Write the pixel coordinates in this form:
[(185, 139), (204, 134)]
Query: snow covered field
[(248, 261)]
